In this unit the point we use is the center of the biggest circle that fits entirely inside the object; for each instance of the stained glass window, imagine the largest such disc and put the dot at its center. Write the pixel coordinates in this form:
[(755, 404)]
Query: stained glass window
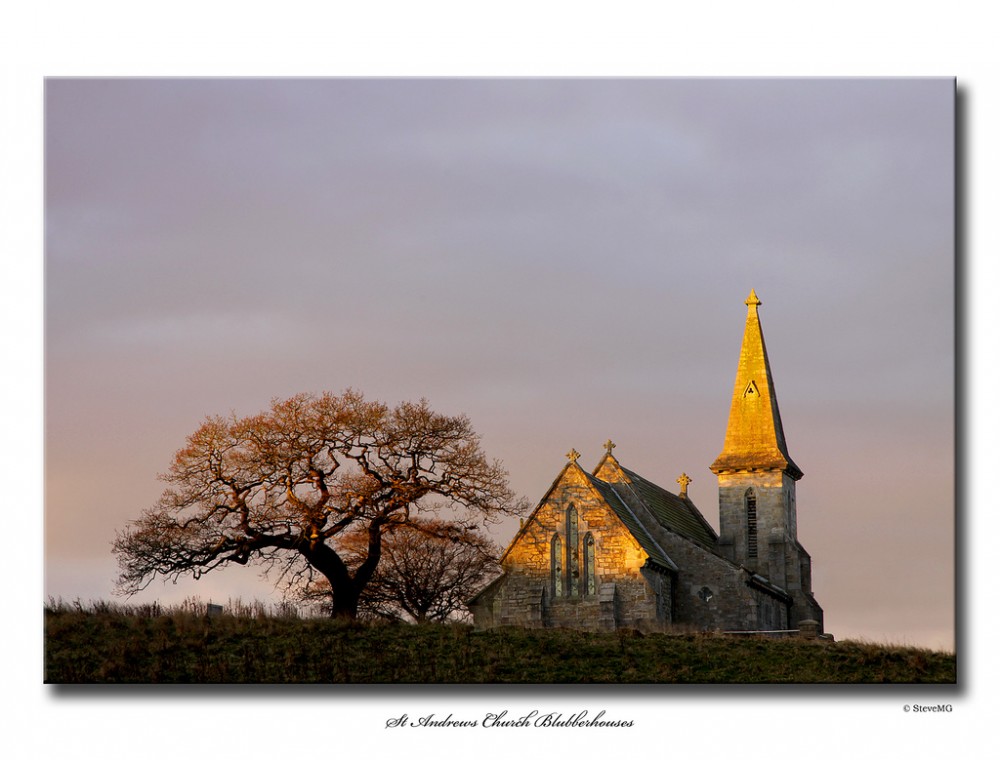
[(556, 561), (572, 554), (589, 568)]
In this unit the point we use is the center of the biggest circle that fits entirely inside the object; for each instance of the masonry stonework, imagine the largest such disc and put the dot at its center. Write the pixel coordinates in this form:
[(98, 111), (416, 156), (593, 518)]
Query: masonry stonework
[(611, 549)]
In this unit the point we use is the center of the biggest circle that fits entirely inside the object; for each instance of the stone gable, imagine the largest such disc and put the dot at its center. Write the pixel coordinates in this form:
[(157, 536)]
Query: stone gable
[(575, 564)]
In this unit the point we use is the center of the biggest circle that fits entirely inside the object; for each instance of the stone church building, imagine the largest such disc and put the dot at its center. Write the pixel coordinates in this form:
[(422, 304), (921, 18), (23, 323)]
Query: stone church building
[(610, 549)]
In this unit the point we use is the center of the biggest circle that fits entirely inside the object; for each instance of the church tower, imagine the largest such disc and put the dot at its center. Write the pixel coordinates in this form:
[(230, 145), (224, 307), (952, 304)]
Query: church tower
[(757, 523)]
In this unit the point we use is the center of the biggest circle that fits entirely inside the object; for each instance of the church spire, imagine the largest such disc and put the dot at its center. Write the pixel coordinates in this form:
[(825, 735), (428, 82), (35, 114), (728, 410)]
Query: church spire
[(754, 437)]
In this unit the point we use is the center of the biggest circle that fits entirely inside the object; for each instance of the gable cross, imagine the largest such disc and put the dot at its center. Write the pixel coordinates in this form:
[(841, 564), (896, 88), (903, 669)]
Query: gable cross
[(684, 480), (608, 445), (573, 455)]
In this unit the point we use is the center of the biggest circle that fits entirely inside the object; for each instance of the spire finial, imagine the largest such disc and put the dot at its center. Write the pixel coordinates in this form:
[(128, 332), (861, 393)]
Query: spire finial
[(752, 300), (683, 480), (572, 455), (608, 445)]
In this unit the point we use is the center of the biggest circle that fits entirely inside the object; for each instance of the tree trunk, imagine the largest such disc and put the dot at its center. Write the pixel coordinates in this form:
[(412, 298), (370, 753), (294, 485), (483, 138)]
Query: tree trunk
[(345, 602), (344, 590)]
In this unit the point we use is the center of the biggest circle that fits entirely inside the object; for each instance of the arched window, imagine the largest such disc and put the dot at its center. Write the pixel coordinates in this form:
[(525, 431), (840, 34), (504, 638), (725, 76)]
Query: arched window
[(556, 566), (751, 504), (589, 568), (572, 554)]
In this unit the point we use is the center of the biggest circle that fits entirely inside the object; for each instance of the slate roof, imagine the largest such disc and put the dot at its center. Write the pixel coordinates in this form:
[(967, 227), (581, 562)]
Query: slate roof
[(671, 511), (636, 528)]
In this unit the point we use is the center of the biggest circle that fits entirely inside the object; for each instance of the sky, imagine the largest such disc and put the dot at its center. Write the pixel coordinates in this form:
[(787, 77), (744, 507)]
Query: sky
[(563, 260)]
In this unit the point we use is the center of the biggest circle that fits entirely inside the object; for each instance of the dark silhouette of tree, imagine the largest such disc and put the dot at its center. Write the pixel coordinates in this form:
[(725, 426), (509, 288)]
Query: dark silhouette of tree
[(428, 572), (279, 488)]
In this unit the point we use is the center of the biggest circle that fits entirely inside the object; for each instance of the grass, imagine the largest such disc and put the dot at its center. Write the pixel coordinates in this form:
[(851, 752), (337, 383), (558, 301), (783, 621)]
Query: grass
[(108, 643)]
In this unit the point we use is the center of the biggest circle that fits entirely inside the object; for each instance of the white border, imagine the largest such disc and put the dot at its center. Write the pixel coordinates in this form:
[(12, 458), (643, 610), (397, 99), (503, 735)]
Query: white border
[(464, 38)]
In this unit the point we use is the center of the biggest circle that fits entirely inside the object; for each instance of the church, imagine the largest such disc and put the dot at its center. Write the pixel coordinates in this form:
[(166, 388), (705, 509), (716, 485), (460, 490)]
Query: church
[(611, 549)]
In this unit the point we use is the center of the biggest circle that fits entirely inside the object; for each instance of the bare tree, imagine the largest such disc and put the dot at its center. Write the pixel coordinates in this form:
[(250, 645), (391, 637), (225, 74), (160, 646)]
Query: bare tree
[(429, 570), (277, 489)]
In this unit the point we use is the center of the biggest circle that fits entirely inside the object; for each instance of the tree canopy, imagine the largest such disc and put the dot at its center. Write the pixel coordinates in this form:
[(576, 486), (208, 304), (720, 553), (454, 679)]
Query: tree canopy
[(279, 488)]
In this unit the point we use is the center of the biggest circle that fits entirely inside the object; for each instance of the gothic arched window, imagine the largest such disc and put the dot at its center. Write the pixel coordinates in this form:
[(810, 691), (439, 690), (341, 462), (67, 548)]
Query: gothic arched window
[(556, 566), (572, 553), (751, 504), (589, 568)]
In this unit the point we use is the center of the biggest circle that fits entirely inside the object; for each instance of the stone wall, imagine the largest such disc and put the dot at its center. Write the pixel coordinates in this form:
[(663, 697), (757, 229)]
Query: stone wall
[(510, 600), (780, 558), (710, 592), (770, 489), (624, 594)]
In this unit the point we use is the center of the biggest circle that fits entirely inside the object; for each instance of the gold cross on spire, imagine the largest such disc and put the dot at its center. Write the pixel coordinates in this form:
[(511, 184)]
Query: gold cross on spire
[(683, 480), (608, 445), (572, 455)]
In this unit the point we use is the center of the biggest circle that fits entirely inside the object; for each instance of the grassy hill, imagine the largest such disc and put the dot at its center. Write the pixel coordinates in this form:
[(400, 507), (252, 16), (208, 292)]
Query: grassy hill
[(105, 643)]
